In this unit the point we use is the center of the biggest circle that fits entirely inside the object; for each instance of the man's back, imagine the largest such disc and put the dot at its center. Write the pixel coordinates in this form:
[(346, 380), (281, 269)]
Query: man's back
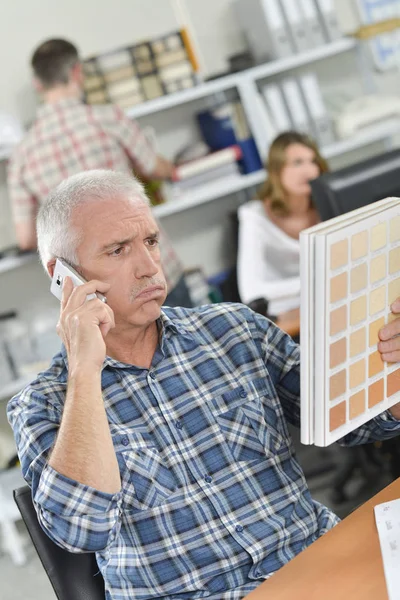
[(69, 137)]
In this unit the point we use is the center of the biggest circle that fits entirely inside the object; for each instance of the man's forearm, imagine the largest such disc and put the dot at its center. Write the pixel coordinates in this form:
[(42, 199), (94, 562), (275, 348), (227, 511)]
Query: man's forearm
[(84, 450)]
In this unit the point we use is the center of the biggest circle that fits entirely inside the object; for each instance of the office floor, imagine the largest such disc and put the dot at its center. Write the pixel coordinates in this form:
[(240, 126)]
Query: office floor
[(30, 582)]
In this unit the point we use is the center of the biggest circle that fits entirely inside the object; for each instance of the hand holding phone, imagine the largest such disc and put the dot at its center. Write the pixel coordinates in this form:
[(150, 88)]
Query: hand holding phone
[(61, 270), (84, 334)]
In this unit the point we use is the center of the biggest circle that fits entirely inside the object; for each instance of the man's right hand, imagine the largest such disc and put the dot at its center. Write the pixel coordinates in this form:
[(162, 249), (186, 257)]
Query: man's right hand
[(84, 324)]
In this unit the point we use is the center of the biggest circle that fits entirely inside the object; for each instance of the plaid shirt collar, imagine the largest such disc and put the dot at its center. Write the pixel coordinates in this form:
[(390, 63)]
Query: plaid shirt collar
[(48, 108), (166, 327)]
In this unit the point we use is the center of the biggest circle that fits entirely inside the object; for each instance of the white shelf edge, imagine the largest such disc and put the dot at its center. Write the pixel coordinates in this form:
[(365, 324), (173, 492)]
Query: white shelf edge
[(12, 262), (297, 60), (228, 81), (208, 192), (369, 135)]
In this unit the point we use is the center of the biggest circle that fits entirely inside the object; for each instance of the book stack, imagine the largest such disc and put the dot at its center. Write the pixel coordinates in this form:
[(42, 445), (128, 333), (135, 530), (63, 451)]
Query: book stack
[(220, 164), (141, 72)]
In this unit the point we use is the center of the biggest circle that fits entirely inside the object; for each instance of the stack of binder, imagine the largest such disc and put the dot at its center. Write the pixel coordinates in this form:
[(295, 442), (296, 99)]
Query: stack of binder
[(297, 103), (278, 28), (216, 165)]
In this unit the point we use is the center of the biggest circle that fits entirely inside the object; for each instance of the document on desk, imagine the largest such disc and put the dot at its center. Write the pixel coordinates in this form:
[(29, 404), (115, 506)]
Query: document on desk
[(387, 518)]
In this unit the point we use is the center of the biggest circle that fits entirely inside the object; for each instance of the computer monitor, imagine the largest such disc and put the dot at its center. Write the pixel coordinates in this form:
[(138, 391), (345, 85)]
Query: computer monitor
[(358, 185)]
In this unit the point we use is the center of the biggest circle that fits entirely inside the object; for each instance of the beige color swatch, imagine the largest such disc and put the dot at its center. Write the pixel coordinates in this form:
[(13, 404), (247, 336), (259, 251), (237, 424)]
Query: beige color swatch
[(395, 229), (357, 373), (338, 320), (357, 404), (357, 342), (337, 353), (338, 287), (377, 300), (377, 268), (375, 393), (337, 384), (375, 364), (358, 310), (378, 236), (394, 260), (337, 416), (374, 328), (358, 278), (339, 254), (359, 245)]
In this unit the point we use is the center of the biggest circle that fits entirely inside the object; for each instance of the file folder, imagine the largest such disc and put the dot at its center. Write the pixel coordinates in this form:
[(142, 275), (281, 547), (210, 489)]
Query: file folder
[(295, 103), (313, 26), (296, 25), (327, 14), (322, 125), (277, 107)]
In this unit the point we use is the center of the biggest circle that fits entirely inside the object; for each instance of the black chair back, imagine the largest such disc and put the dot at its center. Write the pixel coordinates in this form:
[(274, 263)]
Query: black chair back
[(73, 576)]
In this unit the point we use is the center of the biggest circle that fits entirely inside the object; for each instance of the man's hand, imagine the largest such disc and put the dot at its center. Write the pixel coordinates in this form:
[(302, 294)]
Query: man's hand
[(389, 346), (84, 324)]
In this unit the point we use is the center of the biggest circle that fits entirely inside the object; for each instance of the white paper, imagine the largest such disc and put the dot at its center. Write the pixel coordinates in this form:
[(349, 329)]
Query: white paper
[(387, 517)]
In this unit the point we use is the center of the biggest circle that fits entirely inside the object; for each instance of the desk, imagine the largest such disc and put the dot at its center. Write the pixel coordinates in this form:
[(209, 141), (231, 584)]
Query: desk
[(345, 563)]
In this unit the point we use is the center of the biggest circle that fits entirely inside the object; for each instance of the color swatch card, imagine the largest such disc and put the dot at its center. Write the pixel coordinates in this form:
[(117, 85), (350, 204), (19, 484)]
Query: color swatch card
[(350, 273)]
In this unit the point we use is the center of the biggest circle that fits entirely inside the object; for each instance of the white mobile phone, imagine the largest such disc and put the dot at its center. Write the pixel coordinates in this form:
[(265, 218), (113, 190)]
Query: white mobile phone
[(61, 270)]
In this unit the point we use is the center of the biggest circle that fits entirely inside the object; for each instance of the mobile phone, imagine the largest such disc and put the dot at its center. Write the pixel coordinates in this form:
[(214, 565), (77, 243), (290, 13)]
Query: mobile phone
[(61, 270)]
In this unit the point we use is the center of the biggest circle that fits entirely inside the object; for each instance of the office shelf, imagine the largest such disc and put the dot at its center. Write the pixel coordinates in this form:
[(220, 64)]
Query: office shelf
[(207, 192), (229, 81), (230, 185)]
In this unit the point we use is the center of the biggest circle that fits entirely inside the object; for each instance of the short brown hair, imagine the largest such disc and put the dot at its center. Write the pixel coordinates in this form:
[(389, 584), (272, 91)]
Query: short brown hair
[(52, 62), (272, 188)]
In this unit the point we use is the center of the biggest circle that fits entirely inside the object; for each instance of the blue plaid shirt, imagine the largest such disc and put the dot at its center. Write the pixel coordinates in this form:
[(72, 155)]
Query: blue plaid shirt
[(213, 499)]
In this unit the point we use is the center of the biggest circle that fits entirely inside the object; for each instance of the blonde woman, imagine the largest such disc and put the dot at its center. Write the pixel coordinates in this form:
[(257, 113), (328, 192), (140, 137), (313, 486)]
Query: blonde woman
[(269, 227)]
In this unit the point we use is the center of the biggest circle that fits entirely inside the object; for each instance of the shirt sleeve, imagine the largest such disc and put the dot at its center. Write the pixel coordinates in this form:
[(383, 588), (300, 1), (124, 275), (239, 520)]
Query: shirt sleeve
[(23, 203), (282, 359), (253, 269), (136, 145), (75, 516)]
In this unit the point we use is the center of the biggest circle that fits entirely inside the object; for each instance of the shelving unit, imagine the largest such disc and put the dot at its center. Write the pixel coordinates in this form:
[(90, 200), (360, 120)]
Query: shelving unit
[(224, 187)]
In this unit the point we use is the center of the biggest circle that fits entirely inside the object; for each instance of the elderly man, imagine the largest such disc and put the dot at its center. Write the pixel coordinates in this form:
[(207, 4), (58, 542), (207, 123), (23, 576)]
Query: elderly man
[(158, 438)]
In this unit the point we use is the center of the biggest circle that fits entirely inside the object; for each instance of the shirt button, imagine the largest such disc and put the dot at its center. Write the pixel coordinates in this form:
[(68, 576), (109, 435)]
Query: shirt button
[(258, 573), (125, 441), (178, 425), (239, 528), (152, 375), (208, 479), (243, 393)]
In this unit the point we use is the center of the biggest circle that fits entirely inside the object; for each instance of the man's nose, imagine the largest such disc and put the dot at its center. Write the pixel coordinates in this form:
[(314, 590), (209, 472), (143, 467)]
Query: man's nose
[(146, 265)]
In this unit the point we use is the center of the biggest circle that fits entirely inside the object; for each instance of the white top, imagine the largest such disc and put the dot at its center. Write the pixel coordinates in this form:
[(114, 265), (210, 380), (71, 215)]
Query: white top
[(268, 261)]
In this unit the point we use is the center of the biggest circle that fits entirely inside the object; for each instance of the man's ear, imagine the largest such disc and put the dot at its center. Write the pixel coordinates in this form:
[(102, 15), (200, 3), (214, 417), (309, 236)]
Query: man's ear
[(50, 267), (38, 85), (76, 74)]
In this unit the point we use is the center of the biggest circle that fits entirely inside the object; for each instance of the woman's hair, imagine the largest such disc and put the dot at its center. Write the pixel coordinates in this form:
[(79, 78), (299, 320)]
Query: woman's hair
[(272, 188)]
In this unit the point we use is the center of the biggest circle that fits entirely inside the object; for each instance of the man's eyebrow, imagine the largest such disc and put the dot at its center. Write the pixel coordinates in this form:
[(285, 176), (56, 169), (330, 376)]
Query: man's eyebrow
[(116, 243), (153, 235)]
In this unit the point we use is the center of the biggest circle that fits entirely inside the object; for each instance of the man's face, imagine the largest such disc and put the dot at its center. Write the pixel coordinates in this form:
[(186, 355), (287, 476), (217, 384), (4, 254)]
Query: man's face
[(120, 247)]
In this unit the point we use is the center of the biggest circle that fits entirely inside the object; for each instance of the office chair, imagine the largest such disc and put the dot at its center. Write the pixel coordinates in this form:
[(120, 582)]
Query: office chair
[(73, 576)]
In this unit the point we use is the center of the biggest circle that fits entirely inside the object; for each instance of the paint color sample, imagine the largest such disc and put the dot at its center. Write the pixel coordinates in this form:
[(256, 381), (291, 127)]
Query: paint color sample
[(352, 276), (357, 404), (357, 342), (378, 236), (358, 278), (374, 328), (359, 245), (395, 229), (358, 310), (394, 260), (375, 364), (338, 353), (339, 253), (337, 384), (357, 373), (375, 393), (394, 290), (339, 287), (377, 269), (338, 320), (337, 416), (393, 382), (377, 300)]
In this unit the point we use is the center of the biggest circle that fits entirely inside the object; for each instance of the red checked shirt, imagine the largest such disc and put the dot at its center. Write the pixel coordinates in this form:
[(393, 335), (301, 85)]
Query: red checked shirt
[(69, 137)]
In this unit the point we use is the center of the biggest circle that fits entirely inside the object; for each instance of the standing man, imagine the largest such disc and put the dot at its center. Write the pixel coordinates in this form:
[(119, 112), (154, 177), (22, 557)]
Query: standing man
[(68, 137)]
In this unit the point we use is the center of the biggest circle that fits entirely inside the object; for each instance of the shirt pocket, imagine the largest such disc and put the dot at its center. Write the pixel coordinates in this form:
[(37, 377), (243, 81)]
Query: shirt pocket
[(241, 416), (147, 481)]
